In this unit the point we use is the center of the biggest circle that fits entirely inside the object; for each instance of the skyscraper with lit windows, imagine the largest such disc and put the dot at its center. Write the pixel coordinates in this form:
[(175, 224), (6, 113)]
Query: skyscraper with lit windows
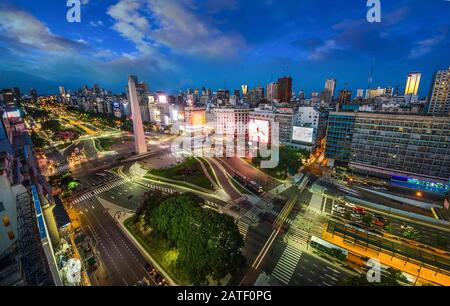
[(413, 83)]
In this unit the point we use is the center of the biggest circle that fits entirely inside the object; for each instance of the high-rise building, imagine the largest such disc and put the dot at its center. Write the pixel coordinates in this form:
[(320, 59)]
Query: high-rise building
[(232, 124), (264, 117), (62, 91), (408, 147), (301, 95), (8, 97), (17, 94), (285, 89), (244, 90), (330, 86), (345, 96), (379, 91), (412, 83), (223, 96), (139, 137), (438, 102), (360, 93), (272, 91), (33, 94)]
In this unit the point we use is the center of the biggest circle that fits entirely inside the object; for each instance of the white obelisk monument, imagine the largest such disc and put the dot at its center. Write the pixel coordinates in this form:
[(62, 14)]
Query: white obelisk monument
[(139, 137)]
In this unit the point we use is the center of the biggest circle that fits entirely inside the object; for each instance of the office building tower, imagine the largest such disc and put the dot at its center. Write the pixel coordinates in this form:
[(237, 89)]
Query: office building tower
[(438, 102), (412, 83), (232, 125), (330, 86), (285, 89), (407, 147), (360, 93), (345, 96), (301, 95), (272, 91), (244, 90)]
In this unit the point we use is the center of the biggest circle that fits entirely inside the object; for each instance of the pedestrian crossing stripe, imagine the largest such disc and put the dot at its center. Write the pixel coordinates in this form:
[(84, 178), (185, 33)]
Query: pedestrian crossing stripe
[(299, 236), (252, 213), (243, 228), (285, 267), (62, 168), (100, 190), (288, 220)]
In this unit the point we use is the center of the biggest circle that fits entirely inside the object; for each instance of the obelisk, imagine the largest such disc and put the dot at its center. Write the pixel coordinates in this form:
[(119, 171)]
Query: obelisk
[(139, 137)]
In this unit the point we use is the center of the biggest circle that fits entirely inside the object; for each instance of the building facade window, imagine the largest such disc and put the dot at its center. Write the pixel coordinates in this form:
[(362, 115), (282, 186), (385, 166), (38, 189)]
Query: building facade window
[(6, 221)]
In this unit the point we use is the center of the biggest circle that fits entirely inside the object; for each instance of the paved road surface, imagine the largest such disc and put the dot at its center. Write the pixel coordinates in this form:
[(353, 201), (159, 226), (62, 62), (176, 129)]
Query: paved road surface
[(123, 264)]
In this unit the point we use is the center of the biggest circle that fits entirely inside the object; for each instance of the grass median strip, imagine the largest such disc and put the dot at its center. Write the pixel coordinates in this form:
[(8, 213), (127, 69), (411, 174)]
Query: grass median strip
[(190, 171)]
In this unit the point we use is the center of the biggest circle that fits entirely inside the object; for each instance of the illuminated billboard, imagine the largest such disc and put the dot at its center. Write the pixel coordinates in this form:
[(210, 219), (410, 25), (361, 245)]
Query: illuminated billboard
[(162, 99), (303, 134), (198, 119), (259, 130)]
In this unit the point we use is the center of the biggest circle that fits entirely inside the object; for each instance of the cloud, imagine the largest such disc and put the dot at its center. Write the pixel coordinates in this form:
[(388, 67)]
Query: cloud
[(177, 25), (23, 30), (97, 23), (321, 51), (425, 46)]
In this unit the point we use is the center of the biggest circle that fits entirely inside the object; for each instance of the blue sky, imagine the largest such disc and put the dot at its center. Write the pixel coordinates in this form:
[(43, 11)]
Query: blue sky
[(176, 44)]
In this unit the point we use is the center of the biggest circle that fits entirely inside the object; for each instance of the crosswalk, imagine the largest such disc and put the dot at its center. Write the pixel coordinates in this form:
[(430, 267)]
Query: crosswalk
[(299, 236), (252, 213), (288, 220), (61, 169), (100, 190), (243, 228), (286, 265), (159, 188)]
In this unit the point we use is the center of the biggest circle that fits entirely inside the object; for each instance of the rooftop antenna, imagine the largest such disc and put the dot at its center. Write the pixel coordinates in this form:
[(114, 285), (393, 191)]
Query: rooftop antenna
[(370, 81)]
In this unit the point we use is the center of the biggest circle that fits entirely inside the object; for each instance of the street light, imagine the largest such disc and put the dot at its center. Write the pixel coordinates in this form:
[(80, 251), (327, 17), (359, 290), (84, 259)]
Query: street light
[(419, 194)]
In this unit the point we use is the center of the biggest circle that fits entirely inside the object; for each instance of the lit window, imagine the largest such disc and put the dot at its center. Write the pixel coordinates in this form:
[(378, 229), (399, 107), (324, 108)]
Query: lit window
[(6, 221), (11, 235)]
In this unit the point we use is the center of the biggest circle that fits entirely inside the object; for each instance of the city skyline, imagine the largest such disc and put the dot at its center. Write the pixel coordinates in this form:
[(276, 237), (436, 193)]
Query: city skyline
[(173, 45)]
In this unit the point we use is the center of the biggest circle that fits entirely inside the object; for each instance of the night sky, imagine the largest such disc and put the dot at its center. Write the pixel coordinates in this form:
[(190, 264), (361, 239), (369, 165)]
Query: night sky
[(178, 44)]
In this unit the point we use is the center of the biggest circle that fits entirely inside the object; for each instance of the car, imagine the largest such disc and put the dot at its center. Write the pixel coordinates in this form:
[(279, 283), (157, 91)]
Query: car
[(381, 219), (358, 210), (148, 267), (356, 216), (159, 279), (284, 228), (406, 227), (350, 205), (378, 222), (268, 218), (339, 208)]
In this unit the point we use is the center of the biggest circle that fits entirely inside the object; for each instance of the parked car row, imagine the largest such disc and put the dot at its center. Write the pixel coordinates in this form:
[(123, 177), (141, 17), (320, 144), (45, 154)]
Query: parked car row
[(157, 277)]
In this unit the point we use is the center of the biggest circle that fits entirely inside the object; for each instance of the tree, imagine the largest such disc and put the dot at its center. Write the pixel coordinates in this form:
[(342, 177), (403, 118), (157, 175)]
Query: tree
[(38, 141), (411, 234), (51, 125), (208, 243), (290, 160), (367, 219)]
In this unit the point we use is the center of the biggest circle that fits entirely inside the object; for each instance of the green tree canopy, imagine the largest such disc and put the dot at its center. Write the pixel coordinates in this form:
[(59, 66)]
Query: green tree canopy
[(209, 243)]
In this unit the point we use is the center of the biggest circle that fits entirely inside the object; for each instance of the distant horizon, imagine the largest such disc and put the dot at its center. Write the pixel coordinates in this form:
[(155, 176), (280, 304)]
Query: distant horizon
[(175, 92)]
